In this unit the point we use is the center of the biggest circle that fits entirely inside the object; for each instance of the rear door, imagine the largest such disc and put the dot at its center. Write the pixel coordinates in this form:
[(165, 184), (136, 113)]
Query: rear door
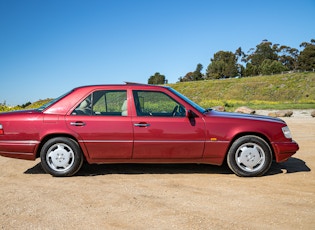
[(104, 125)]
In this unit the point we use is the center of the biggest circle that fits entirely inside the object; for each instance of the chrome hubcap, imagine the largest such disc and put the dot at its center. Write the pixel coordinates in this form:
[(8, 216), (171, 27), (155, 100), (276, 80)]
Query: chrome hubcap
[(60, 157), (250, 157)]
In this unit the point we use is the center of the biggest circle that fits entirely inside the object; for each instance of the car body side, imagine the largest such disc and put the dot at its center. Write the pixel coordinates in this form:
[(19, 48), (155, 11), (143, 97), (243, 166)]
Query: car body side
[(213, 132)]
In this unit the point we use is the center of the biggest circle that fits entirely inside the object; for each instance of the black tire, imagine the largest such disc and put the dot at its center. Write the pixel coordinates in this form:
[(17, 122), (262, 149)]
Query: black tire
[(249, 156), (61, 156)]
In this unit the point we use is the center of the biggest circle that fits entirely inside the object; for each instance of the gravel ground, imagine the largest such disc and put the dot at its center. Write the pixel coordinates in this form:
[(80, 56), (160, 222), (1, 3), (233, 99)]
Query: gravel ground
[(137, 196)]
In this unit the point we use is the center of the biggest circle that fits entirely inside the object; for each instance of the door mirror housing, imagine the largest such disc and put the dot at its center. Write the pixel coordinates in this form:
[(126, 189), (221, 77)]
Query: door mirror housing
[(190, 114)]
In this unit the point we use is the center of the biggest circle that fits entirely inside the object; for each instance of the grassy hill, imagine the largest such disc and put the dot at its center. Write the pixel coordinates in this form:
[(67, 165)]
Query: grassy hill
[(35, 105), (283, 91)]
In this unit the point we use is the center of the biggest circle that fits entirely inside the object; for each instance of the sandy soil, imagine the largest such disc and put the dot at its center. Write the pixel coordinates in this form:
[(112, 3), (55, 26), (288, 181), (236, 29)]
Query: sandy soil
[(163, 196)]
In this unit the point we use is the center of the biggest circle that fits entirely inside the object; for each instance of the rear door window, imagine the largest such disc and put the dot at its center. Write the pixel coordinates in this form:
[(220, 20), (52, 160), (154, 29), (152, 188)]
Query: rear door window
[(104, 103)]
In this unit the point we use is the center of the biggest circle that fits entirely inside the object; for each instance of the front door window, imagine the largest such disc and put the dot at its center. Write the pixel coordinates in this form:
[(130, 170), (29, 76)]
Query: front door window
[(157, 104)]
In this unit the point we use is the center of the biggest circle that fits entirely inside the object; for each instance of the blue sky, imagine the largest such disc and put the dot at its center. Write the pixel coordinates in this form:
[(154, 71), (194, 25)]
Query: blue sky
[(48, 47)]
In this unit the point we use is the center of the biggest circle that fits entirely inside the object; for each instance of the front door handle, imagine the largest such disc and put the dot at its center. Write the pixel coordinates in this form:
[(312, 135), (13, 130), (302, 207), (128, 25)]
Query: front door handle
[(142, 125), (77, 123)]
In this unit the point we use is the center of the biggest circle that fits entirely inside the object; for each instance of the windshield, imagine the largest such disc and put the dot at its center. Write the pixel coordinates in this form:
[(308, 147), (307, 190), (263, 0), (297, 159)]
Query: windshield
[(193, 104), (53, 101)]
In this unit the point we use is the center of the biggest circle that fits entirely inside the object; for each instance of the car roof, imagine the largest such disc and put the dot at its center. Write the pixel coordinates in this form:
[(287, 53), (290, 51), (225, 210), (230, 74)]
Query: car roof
[(63, 105), (123, 85)]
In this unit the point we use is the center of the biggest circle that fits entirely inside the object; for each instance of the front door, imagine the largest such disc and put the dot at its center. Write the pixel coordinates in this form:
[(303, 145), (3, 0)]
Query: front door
[(162, 130)]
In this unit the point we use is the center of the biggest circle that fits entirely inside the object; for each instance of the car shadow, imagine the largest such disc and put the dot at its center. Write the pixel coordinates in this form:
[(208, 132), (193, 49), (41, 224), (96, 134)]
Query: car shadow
[(107, 169), (293, 165), (94, 170)]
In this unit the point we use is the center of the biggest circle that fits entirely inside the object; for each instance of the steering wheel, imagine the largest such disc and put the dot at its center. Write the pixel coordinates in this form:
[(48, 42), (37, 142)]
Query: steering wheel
[(174, 110)]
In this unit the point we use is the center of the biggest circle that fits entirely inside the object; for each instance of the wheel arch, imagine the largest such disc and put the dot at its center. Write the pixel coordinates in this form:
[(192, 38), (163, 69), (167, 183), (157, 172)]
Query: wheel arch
[(241, 134), (53, 135)]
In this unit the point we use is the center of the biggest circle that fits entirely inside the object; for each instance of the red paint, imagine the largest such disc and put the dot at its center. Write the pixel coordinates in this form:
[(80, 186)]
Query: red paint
[(195, 136)]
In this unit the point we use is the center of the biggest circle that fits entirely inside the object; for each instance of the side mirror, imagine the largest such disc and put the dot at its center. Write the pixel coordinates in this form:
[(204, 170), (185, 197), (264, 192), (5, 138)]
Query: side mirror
[(191, 117), (190, 114)]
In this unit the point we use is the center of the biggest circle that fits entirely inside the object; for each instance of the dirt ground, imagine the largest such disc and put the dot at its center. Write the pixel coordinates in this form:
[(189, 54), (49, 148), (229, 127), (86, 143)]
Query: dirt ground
[(188, 196)]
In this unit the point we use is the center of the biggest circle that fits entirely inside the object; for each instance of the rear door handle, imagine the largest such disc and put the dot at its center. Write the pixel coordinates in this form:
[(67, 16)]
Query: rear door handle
[(142, 125), (77, 123)]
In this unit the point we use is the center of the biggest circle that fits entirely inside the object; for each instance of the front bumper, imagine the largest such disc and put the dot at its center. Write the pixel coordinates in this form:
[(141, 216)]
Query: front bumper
[(284, 150)]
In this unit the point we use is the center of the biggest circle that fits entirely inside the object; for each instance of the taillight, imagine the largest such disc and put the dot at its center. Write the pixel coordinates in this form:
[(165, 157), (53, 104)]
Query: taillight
[(1, 130)]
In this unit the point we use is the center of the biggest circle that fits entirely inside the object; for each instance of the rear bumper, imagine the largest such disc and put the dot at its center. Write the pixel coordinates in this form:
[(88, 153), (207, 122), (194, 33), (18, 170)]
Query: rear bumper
[(19, 149), (284, 150)]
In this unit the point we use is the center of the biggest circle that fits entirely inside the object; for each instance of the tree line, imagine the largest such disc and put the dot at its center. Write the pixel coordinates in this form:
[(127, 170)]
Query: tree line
[(266, 59)]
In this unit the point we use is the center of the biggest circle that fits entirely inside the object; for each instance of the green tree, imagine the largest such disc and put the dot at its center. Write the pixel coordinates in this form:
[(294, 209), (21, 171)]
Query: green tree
[(251, 70), (265, 50), (269, 67), (197, 75), (157, 79), (187, 77), (241, 56), (288, 57), (306, 59), (223, 63), (193, 76), (267, 58)]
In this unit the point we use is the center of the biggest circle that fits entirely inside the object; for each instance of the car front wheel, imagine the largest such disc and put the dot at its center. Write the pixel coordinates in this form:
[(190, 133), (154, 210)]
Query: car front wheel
[(61, 156), (249, 156)]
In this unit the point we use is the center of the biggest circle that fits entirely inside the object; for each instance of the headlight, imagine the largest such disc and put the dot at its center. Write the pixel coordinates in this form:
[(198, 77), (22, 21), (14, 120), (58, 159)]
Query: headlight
[(286, 131)]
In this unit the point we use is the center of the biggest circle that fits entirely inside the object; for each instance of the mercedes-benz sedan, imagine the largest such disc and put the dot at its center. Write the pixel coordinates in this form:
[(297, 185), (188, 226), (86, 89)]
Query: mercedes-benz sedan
[(136, 123)]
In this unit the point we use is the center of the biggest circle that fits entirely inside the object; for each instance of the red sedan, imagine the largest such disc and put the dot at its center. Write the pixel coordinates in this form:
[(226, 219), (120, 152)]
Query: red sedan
[(135, 123)]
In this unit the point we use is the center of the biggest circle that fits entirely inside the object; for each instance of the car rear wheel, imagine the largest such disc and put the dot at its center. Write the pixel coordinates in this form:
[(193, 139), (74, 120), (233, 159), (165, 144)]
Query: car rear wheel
[(249, 156), (61, 156)]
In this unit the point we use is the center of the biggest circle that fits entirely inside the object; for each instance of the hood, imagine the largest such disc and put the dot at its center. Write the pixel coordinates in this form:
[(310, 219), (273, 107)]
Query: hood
[(214, 113)]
